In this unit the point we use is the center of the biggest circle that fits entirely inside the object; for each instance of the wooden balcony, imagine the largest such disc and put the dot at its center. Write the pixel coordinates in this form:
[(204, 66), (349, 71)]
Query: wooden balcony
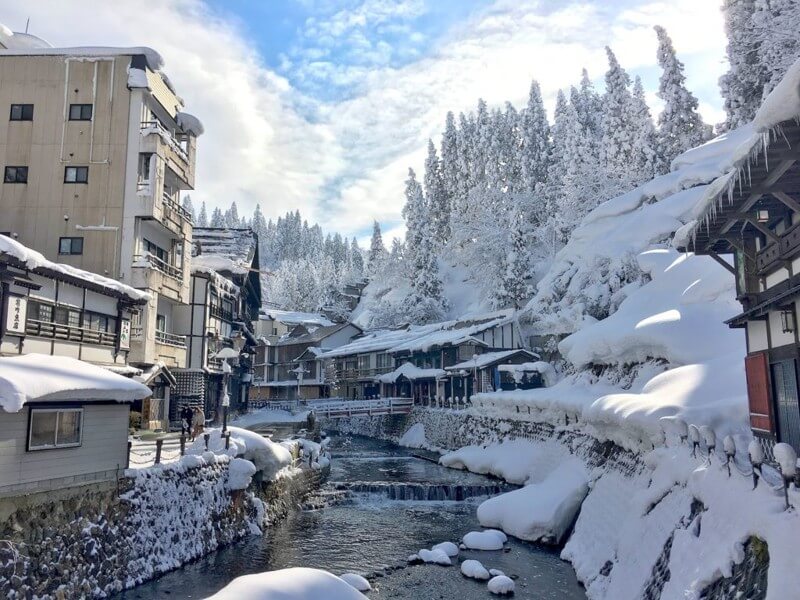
[(72, 334), (773, 255)]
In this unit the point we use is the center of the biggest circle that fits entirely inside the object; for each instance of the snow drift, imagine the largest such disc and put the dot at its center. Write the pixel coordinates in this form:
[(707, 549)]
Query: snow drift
[(298, 583)]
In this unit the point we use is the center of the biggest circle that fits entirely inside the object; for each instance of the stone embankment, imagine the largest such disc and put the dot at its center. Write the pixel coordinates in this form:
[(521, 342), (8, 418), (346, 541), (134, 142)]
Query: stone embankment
[(97, 540)]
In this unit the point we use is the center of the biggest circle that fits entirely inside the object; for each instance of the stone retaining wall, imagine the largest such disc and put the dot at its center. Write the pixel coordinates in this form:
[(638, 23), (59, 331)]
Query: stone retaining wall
[(97, 540)]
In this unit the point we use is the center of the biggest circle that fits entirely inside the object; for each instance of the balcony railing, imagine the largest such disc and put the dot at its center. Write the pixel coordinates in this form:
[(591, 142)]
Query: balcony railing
[(137, 333), (160, 265), (221, 313), (170, 339), (148, 127), (67, 332), (171, 205)]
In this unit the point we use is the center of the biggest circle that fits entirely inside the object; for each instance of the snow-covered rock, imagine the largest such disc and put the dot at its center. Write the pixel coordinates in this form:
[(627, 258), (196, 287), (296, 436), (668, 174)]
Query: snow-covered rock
[(539, 511), (786, 457), (240, 474), (501, 585), (490, 539), (269, 458), (513, 460), (357, 581), (298, 583), (448, 548), (495, 572), (414, 437), (438, 557), (474, 570)]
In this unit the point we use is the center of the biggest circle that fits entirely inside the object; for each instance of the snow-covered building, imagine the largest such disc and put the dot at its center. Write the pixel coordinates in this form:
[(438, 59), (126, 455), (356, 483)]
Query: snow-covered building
[(274, 323), (373, 364), (754, 215), (224, 301), (290, 368), (53, 308), (63, 423), (96, 152)]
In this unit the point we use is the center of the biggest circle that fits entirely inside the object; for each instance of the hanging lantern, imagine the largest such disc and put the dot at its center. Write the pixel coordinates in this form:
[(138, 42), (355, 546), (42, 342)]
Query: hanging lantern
[(787, 320)]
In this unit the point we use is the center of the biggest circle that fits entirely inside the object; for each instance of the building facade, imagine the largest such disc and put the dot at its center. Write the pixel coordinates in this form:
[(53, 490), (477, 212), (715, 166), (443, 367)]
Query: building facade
[(756, 221), (96, 150)]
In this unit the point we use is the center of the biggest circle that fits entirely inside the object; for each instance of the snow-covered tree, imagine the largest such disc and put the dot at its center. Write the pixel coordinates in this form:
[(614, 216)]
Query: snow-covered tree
[(438, 200), (450, 158), (217, 218), (187, 205), (648, 160), (535, 146), (377, 251), (588, 104), (515, 268), (776, 24), (742, 86), (680, 126), (202, 217), (232, 219)]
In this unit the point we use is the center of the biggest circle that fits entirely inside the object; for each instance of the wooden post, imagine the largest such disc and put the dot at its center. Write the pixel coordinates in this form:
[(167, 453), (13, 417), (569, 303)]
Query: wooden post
[(159, 443), (128, 461), (207, 436), (183, 444), (227, 440)]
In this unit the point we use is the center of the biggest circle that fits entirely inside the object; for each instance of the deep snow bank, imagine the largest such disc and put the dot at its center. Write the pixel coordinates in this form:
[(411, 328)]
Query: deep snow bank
[(298, 583)]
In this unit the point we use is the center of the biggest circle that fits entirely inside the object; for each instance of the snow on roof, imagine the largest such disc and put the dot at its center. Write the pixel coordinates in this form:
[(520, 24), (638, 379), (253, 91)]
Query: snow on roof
[(487, 358), (220, 281), (189, 123), (423, 337), (291, 317), (40, 377), (37, 262), (154, 60), (225, 250), (410, 371), (317, 335)]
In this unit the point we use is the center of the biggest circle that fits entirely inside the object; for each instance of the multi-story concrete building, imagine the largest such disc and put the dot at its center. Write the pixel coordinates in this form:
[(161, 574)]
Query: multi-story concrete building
[(95, 150)]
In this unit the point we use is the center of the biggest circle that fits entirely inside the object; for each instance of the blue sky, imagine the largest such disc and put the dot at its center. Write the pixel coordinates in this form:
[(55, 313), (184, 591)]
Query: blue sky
[(323, 105)]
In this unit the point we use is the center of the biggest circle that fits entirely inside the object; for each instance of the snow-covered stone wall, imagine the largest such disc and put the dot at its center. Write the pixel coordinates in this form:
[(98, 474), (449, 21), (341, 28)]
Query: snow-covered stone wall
[(92, 543), (657, 523)]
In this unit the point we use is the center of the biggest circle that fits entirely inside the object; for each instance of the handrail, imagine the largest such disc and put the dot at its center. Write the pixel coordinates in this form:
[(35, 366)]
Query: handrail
[(163, 132), (170, 203), (69, 332), (160, 265), (170, 339)]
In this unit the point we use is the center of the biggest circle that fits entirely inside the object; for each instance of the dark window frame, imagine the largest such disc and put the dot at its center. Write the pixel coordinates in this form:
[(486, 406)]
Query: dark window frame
[(17, 171), (72, 250), (81, 110), (78, 171), (25, 112)]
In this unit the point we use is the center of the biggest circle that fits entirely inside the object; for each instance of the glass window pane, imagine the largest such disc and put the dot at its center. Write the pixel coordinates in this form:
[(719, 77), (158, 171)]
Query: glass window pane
[(69, 427), (64, 246), (74, 318), (16, 112), (10, 175), (27, 112), (69, 174), (86, 112), (74, 111), (62, 316), (43, 429), (77, 245)]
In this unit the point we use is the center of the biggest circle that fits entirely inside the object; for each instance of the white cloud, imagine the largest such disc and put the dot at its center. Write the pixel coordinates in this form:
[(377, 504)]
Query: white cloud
[(346, 166)]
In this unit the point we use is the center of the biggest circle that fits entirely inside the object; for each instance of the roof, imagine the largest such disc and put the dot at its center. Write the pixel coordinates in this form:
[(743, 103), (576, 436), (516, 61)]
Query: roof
[(490, 358), (41, 377), (410, 371), (20, 44), (765, 154), (291, 317), (15, 253), (225, 250), (319, 334), (423, 337)]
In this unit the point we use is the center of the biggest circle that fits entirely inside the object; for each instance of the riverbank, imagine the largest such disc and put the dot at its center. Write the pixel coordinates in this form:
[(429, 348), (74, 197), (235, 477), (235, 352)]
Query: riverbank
[(99, 540), (656, 523)]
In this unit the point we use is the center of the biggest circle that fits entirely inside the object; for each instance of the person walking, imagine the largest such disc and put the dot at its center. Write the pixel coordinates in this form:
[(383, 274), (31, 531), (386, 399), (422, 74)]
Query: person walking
[(198, 422), (186, 420)]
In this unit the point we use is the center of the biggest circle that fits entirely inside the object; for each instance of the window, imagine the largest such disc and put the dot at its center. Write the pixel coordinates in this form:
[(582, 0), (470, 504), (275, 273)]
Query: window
[(161, 323), (21, 112), (40, 312), (70, 245), (76, 175), (15, 175), (98, 322), (67, 316), (55, 428), (384, 361), (155, 250), (80, 112)]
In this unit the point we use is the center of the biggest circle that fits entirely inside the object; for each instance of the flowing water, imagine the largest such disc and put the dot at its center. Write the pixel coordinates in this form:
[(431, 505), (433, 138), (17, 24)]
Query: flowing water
[(394, 505)]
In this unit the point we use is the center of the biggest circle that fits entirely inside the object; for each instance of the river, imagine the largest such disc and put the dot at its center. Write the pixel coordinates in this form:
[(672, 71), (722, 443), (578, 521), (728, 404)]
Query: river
[(371, 533)]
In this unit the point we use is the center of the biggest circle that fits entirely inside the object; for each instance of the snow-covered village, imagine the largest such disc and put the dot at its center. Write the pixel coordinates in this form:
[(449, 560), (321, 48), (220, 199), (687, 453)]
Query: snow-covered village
[(400, 299)]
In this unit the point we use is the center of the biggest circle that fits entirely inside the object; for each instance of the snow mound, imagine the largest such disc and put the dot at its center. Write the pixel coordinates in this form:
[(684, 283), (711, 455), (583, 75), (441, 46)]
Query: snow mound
[(357, 581), (490, 539), (512, 460), (501, 585), (298, 583), (414, 437), (448, 548), (240, 474), (268, 457), (495, 572), (539, 511), (474, 570), (438, 557)]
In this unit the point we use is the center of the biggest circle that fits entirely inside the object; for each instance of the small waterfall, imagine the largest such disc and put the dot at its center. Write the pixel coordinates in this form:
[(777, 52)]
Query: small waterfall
[(421, 492)]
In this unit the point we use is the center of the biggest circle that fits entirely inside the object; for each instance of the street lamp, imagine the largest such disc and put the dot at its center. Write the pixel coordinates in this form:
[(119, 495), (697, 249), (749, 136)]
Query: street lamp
[(224, 355), (300, 370)]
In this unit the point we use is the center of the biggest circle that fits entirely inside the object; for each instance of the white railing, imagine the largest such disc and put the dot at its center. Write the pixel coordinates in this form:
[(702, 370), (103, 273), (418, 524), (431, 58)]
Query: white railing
[(346, 408), (170, 339), (159, 265)]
